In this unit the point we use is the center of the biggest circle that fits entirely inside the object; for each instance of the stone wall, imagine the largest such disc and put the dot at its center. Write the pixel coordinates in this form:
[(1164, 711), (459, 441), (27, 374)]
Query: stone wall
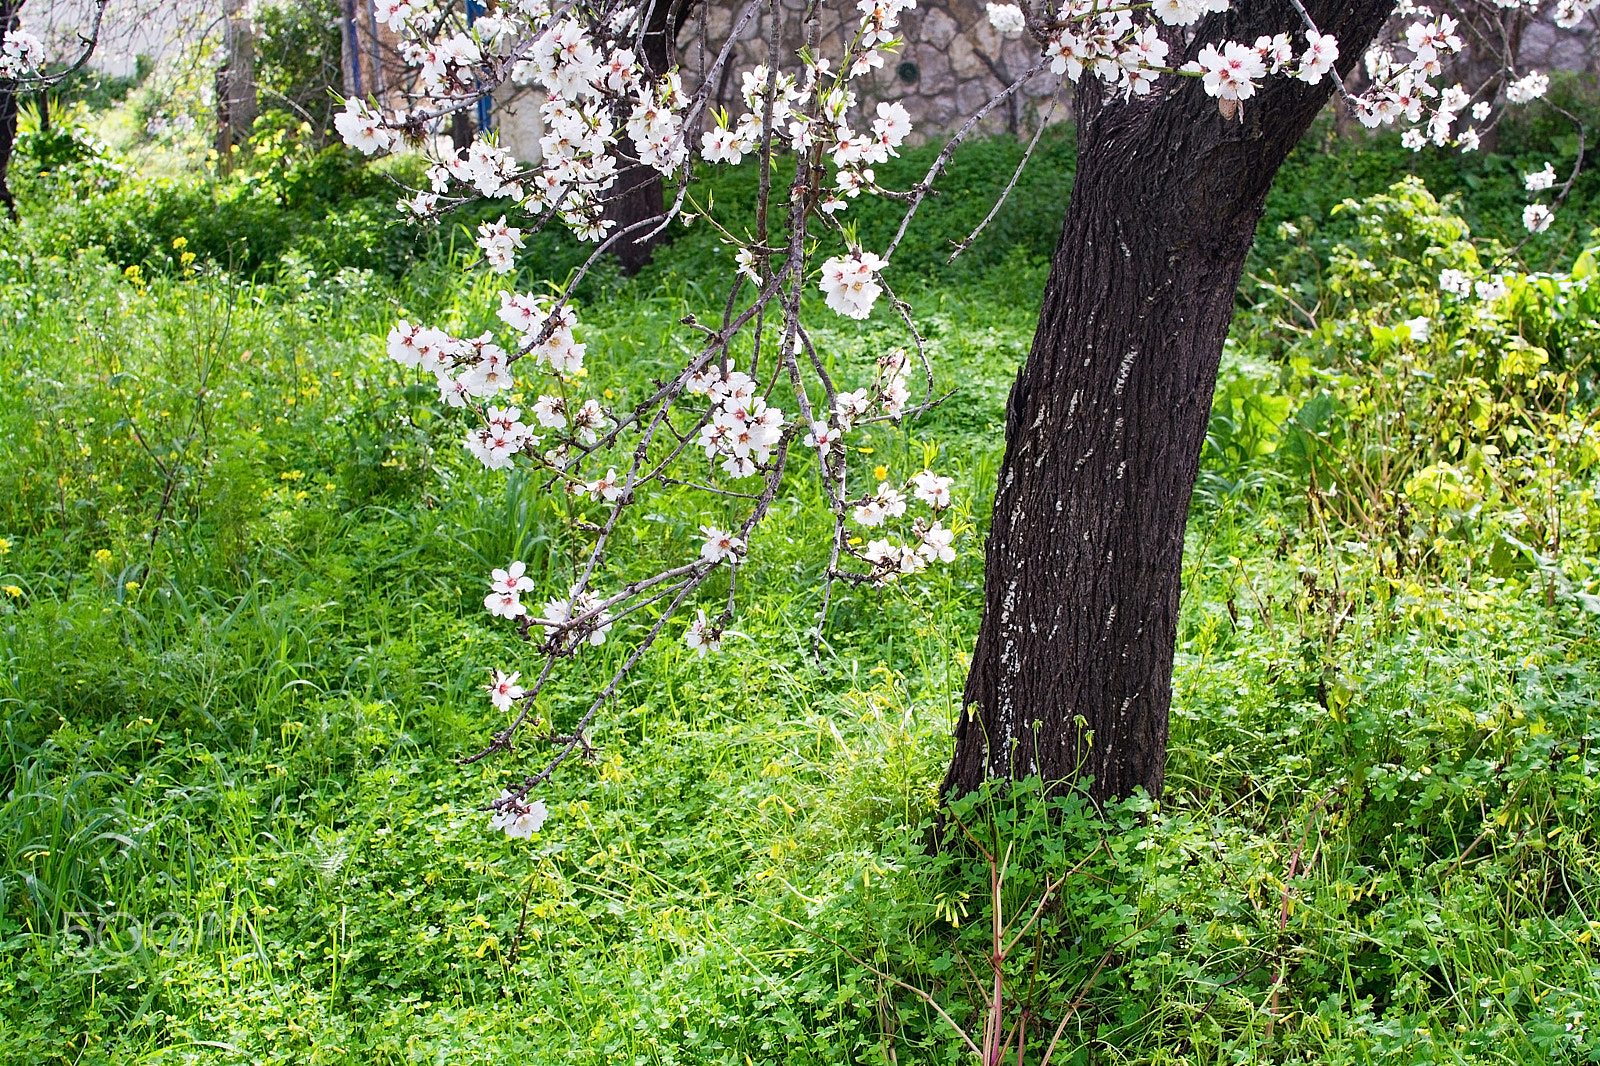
[(951, 63)]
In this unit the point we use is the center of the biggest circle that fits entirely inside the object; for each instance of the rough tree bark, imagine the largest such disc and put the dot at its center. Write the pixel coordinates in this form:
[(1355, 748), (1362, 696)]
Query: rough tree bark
[(10, 19), (1072, 673)]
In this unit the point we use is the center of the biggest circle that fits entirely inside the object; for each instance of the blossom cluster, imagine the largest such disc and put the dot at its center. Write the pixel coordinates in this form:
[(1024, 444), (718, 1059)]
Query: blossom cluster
[(1460, 283), (740, 429), (1568, 13), (162, 126), (929, 541), (21, 55), (518, 818), (1404, 90), (544, 331), (464, 368), (849, 285)]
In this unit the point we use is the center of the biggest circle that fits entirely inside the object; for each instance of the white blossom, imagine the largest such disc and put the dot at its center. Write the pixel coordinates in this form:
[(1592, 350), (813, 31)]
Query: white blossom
[(822, 438), (932, 489), (1007, 18), (504, 690), (887, 502), (1540, 180), (362, 128), (701, 636), (847, 282), (1455, 282), (21, 55), (719, 545), (518, 819), (1231, 73), (499, 243), (1322, 51), (1528, 88)]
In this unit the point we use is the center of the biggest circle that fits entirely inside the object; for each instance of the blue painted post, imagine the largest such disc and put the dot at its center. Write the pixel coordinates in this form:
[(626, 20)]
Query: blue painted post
[(485, 105)]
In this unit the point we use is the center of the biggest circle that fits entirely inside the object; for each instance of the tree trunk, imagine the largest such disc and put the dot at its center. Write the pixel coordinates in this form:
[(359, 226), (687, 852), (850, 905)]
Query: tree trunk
[(639, 191), (10, 19), (236, 82), (1072, 674)]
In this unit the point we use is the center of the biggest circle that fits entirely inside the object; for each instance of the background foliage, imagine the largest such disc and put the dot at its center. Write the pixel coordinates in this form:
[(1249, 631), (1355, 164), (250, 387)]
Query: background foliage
[(241, 642)]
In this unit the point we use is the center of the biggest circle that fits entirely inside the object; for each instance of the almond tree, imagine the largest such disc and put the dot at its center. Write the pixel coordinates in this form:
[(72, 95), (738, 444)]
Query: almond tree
[(1185, 109)]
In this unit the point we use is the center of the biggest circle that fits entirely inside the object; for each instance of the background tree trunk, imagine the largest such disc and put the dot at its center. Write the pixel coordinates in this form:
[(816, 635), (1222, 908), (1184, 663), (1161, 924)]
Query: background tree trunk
[(1072, 673), (237, 106), (639, 191), (10, 19)]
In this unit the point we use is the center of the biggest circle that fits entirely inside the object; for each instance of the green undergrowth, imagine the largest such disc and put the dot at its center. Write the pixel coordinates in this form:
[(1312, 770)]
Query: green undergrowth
[(242, 645)]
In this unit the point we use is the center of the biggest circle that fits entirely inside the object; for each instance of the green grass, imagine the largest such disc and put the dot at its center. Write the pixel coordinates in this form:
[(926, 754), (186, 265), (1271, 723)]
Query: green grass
[(247, 643)]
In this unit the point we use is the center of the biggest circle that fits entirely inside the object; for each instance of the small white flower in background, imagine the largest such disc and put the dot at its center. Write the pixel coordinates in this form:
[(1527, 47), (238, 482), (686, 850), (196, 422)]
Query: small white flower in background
[(719, 545), (1481, 110), (1490, 288), (1007, 18), (1536, 217), (1468, 140), (362, 128), (701, 637), (504, 690), (1413, 139), (848, 283), (1527, 89), (1540, 180), (1455, 282), (1418, 328), (518, 818), (932, 489)]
